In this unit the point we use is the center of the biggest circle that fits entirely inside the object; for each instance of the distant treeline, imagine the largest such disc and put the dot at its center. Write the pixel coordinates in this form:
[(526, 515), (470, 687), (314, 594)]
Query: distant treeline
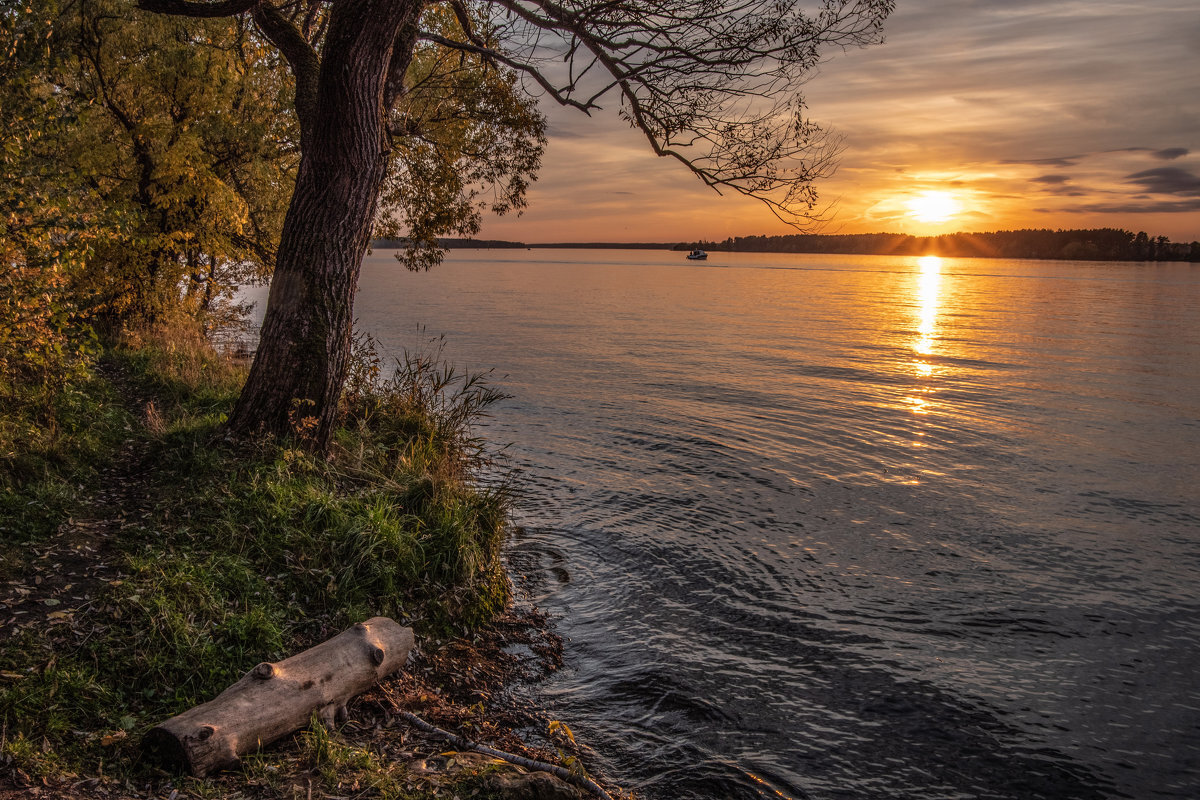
[(1102, 244), (608, 245), (497, 244), (450, 244)]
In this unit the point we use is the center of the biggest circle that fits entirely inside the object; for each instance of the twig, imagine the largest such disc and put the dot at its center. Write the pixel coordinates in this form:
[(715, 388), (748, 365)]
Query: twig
[(581, 781)]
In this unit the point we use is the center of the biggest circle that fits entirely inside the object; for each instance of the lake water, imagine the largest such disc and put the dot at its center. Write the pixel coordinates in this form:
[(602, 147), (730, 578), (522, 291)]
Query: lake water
[(848, 526)]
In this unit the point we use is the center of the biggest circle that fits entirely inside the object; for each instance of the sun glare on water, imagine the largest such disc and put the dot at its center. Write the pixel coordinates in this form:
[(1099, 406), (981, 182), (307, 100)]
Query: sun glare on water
[(934, 207)]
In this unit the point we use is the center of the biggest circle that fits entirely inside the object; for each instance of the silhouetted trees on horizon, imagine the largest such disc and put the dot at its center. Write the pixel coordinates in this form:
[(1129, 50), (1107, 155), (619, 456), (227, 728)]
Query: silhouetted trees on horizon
[(1101, 244)]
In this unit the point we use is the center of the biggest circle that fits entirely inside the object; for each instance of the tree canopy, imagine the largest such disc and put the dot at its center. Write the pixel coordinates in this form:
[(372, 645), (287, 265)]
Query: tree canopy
[(162, 147), (466, 139), (405, 117), (713, 84)]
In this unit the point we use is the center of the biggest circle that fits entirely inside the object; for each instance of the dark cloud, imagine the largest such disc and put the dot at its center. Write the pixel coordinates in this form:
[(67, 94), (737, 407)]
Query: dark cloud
[(1165, 207), (1165, 154), (558, 131), (1171, 153), (1167, 180), (1068, 191), (1065, 161), (1055, 180)]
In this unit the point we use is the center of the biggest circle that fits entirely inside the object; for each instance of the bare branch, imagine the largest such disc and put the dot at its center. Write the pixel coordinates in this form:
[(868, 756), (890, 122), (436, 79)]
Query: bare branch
[(710, 83), (497, 56)]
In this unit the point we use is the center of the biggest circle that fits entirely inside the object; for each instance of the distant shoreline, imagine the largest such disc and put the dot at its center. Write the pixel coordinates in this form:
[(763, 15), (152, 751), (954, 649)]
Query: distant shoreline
[(500, 244), (1103, 244)]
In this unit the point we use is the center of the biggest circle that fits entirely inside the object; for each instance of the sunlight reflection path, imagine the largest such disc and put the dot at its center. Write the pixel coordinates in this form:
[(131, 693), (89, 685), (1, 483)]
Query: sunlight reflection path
[(928, 291)]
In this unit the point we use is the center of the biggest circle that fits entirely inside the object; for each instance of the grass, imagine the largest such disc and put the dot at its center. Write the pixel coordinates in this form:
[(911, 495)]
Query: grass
[(218, 556), (51, 451)]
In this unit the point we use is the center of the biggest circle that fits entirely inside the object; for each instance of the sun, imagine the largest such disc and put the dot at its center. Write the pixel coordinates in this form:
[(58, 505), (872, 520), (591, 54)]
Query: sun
[(934, 207)]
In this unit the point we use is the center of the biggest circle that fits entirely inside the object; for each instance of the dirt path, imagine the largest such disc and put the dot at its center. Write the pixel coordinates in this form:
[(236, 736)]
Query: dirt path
[(62, 574)]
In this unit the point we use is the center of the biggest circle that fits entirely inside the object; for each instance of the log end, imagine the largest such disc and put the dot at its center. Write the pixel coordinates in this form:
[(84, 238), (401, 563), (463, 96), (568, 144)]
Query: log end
[(195, 752), (163, 748)]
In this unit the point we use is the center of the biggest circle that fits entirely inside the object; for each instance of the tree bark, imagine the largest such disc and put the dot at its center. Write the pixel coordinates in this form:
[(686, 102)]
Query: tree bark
[(297, 374), (273, 700)]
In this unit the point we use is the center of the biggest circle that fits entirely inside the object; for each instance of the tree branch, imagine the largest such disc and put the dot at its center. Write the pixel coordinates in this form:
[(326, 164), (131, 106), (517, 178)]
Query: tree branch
[(709, 83), (300, 55), (402, 55), (489, 54), (195, 8), (464, 22)]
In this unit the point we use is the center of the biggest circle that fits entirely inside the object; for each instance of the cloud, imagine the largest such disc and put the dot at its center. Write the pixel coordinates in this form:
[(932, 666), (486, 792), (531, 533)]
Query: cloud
[(1167, 180), (1064, 161), (1164, 207), (1171, 153), (558, 130), (1008, 103)]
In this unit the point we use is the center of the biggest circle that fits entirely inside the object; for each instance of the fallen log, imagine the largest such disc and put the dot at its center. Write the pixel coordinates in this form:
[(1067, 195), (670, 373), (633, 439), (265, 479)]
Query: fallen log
[(273, 700)]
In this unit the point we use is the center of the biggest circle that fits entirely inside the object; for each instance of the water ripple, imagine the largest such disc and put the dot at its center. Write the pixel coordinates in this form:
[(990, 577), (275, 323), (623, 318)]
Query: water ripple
[(839, 527)]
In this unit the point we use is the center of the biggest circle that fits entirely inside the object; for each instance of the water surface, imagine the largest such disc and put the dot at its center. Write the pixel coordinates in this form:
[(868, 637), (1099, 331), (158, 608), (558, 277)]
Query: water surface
[(848, 526)]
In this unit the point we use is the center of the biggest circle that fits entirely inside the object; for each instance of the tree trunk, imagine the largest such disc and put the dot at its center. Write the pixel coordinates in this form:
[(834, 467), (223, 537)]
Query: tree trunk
[(298, 371), (273, 700)]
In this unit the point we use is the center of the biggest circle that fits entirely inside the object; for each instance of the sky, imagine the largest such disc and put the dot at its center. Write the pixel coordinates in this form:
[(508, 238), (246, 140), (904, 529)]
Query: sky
[(974, 115)]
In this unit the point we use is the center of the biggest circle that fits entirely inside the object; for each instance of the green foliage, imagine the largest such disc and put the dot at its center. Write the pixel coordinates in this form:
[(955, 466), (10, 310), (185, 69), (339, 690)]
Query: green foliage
[(191, 136), (472, 141), (45, 229), (43, 346), (172, 362), (146, 158)]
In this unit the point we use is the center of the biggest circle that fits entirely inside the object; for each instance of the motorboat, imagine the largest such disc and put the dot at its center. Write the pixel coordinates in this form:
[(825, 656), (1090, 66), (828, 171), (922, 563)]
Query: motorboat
[(697, 255)]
